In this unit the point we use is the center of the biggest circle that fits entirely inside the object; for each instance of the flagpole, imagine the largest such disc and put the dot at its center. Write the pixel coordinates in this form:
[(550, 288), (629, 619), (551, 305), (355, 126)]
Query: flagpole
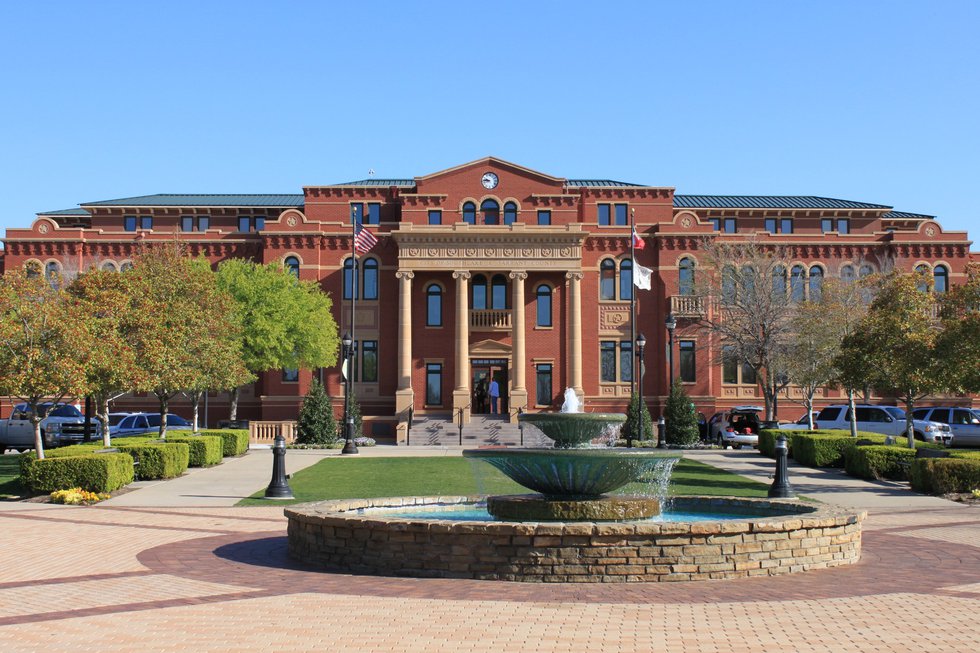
[(633, 305)]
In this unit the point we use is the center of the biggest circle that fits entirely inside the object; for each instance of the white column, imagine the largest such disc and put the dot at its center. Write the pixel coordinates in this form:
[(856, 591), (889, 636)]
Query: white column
[(518, 391), (575, 332), (404, 395), (461, 395)]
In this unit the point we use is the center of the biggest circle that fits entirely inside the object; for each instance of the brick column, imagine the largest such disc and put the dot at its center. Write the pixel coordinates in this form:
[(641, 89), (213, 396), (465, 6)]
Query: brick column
[(461, 395), (518, 390), (404, 395), (575, 333)]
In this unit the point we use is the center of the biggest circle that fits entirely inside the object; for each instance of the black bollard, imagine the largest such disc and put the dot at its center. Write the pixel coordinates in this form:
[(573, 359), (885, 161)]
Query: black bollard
[(781, 489), (279, 488), (661, 433)]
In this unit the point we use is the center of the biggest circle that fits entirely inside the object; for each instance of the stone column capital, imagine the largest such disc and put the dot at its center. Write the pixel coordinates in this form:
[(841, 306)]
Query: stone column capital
[(461, 274), (405, 274), (574, 276), (518, 275)]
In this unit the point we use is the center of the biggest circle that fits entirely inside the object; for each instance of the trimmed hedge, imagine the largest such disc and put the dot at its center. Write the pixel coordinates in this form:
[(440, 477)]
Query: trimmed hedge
[(826, 448), (158, 459), (945, 475), (102, 472), (879, 461), (205, 450), (235, 440)]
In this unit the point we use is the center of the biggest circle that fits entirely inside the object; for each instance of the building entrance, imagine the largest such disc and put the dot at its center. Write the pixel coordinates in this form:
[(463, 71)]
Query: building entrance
[(484, 371)]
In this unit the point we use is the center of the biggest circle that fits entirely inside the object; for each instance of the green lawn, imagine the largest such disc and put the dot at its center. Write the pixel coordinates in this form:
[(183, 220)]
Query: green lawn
[(10, 486), (361, 478)]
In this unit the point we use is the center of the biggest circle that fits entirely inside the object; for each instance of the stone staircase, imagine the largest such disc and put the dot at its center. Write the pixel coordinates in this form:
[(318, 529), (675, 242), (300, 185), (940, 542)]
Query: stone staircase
[(482, 431)]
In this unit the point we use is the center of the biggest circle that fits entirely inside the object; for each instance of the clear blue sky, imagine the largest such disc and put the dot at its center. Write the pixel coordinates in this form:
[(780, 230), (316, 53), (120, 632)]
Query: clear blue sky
[(871, 101)]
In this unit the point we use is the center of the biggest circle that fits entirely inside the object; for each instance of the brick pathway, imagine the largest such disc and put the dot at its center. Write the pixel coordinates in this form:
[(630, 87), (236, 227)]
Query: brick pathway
[(112, 578)]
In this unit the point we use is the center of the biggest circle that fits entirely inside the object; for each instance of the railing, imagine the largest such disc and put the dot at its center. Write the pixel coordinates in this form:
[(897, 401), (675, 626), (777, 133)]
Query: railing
[(266, 432), (686, 306), (490, 320)]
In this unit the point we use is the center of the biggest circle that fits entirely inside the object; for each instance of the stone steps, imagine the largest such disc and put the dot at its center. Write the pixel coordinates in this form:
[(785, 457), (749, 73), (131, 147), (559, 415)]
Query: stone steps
[(482, 431)]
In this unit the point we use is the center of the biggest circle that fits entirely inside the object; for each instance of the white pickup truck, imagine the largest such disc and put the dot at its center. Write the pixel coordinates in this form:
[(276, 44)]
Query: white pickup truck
[(64, 424)]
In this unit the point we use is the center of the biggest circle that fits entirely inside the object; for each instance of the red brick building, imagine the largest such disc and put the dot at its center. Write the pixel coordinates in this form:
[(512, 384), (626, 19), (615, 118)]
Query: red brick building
[(493, 271)]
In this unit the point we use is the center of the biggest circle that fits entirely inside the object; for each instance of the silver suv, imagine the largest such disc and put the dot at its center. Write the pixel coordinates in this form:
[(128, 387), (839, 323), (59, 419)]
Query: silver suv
[(889, 420), (964, 422)]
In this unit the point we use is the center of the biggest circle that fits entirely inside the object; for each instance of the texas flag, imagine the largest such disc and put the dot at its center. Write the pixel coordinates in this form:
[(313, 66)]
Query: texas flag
[(637, 241)]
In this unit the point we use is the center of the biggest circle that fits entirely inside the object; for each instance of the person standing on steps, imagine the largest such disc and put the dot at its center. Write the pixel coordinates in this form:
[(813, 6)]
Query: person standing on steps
[(494, 396)]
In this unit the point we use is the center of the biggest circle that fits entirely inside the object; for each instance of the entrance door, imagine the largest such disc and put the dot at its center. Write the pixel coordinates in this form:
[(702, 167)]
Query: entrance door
[(484, 371)]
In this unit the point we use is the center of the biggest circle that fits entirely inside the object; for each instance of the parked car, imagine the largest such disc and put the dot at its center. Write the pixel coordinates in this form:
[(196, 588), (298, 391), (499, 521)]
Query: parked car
[(115, 418), (64, 424), (802, 424), (964, 423), (889, 420), (735, 427), (148, 423)]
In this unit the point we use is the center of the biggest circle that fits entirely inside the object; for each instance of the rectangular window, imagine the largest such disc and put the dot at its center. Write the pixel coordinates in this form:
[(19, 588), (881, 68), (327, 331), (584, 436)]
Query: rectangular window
[(543, 396), (290, 375), (843, 226), (626, 361), (129, 223), (603, 213), (622, 215), (369, 361), (826, 225), (748, 374), (771, 225), (730, 225), (435, 216), (607, 361), (203, 223), (244, 223), (544, 217), (433, 384), (357, 212), (786, 225), (687, 361), (187, 223), (715, 223), (374, 213), (259, 223), (146, 222), (729, 369)]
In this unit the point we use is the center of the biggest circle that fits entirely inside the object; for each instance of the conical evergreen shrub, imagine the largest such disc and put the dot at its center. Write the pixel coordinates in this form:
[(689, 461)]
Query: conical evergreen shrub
[(631, 427), (316, 423), (680, 418)]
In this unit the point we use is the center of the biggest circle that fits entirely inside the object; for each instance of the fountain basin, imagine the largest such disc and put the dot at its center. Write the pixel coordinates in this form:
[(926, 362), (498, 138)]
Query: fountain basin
[(773, 537), (573, 472), (537, 507), (572, 429)]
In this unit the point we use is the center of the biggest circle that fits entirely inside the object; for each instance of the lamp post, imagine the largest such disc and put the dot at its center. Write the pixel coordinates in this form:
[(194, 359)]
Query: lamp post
[(641, 343), (661, 433), (671, 324), (348, 345)]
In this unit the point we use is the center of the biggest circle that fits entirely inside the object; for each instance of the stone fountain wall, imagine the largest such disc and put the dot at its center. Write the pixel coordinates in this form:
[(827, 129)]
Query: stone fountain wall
[(330, 535)]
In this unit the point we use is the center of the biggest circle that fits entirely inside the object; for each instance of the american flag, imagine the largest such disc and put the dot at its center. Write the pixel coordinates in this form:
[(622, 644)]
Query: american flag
[(364, 240)]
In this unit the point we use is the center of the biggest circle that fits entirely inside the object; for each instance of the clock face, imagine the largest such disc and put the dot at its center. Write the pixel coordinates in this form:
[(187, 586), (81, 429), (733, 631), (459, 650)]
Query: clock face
[(490, 180)]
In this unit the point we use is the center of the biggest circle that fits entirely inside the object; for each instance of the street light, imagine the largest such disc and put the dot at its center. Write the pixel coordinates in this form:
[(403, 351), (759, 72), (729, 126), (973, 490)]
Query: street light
[(348, 346), (641, 343)]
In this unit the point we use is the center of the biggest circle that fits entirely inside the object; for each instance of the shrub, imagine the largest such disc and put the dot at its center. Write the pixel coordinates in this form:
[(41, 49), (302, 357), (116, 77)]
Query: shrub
[(235, 440), (76, 496), (158, 459), (878, 462), (632, 423), (767, 441), (680, 418), (102, 472), (825, 448), (316, 423), (945, 475), (205, 450)]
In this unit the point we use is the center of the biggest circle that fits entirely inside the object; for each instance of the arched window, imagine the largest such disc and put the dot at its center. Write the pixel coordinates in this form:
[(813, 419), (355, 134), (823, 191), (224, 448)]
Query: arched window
[(543, 295), (125, 267), (748, 283), (510, 213), (607, 279), (491, 212), (940, 279), (292, 265), (350, 280), (797, 284), (685, 277), (866, 271), (469, 212), (52, 272), (33, 269), (498, 292), (108, 266), (433, 305), (479, 292), (729, 281), (921, 271), (816, 283), (626, 279), (369, 285), (779, 283), (847, 273)]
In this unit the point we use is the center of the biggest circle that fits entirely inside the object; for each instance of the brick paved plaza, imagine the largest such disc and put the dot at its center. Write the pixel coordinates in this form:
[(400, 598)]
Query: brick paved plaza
[(149, 578)]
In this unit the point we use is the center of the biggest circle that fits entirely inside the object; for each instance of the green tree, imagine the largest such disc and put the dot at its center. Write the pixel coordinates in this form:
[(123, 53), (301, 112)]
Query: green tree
[(680, 418), (185, 330), (40, 341), (316, 424), (287, 323), (894, 348), (631, 427), (959, 342)]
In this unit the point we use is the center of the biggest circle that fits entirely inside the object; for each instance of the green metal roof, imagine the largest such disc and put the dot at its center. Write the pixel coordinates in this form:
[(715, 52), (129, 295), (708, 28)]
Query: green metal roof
[(403, 183), (909, 216), (78, 212), (768, 202), (599, 183), (168, 199)]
